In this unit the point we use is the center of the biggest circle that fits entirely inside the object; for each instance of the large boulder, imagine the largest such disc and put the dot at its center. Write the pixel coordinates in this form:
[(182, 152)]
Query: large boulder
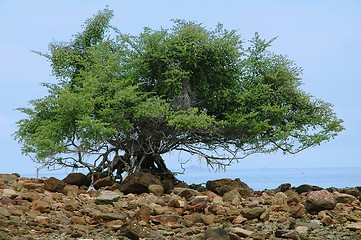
[(320, 200), (54, 185), (224, 185), (138, 183), (78, 179)]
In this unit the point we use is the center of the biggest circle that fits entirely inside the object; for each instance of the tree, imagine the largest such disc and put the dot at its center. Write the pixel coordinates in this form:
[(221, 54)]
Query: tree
[(120, 102)]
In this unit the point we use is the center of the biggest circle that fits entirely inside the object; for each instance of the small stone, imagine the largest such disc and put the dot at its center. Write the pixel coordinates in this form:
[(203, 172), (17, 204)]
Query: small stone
[(107, 197), (298, 211), (115, 224), (241, 232), (354, 226), (345, 198), (42, 205), (302, 231), (71, 205), (9, 193), (165, 218), (254, 213), (216, 233), (77, 220), (208, 219), (292, 234), (240, 219), (156, 189), (186, 193)]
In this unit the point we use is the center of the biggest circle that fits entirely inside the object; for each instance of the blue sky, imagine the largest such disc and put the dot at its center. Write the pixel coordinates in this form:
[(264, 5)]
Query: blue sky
[(323, 37)]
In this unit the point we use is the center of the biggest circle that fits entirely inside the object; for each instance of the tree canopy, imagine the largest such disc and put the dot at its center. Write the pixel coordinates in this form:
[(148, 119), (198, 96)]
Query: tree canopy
[(120, 102)]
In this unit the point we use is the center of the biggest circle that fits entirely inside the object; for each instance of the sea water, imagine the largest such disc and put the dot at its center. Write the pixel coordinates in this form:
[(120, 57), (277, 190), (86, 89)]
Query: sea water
[(270, 178)]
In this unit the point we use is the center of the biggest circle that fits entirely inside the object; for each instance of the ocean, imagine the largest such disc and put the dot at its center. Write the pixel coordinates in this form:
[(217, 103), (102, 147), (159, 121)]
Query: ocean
[(270, 178), (264, 178)]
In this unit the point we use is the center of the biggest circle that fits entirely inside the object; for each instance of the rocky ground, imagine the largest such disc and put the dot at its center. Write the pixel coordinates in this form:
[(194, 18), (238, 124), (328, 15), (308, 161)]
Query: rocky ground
[(145, 208)]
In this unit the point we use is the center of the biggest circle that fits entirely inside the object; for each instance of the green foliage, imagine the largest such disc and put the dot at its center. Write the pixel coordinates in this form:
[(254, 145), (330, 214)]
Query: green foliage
[(185, 88)]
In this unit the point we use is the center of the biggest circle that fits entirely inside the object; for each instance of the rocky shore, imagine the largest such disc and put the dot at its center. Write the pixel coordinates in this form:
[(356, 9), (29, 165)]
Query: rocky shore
[(144, 208)]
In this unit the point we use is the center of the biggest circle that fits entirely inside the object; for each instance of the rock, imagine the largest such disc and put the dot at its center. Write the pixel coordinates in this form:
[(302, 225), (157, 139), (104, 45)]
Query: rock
[(78, 179), (254, 212), (10, 193), (157, 190), (291, 234), (216, 233), (307, 188), (30, 196), (207, 219), (71, 205), (54, 185), (71, 190), (279, 199), (8, 178), (31, 185), (352, 191), (224, 185), (197, 204), (344, 198), (168, 185), (239, 220), (354, 226), (165, 219), (107, 216), (298, 211), (292, 197), (42, 205), (103, 182), (320, 200), (134, 230), (302, 231), (284, 187), (241, 232), (107, 197), (78, 220), (186, 193), (138, 182), (231, 195)]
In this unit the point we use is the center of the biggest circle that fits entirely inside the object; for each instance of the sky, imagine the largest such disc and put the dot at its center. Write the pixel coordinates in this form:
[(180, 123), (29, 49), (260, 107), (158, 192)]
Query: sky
[(323, 37)]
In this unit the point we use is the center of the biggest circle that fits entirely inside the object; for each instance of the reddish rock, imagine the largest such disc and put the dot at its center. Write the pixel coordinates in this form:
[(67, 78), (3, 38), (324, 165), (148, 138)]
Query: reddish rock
[(320, 200), (54, 185), (165, 218), (138, 182), (42, 205), (224, 185), (78, 179), (103, 182)]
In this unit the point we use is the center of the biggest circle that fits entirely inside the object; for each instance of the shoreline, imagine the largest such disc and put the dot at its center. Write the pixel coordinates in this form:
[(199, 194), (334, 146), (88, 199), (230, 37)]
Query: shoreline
[(225, 209)]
